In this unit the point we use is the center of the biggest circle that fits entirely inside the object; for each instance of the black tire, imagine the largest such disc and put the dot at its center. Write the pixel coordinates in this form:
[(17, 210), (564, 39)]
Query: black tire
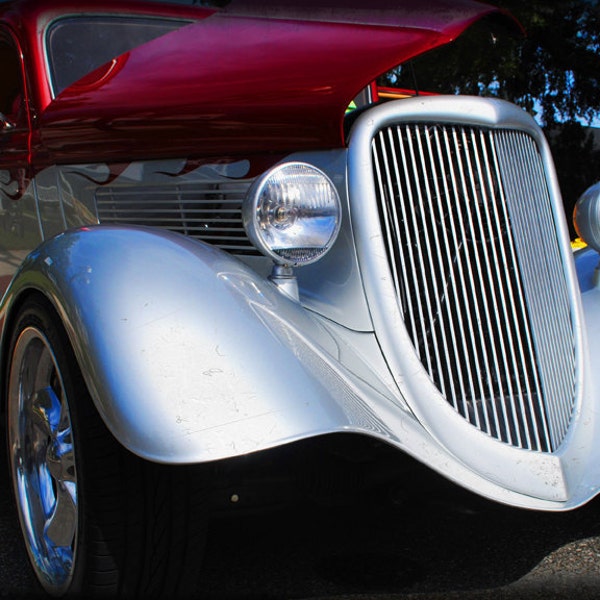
[(96, 519)]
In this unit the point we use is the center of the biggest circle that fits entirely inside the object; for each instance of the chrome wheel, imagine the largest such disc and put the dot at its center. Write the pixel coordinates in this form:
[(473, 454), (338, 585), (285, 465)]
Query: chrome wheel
[(42, 458)]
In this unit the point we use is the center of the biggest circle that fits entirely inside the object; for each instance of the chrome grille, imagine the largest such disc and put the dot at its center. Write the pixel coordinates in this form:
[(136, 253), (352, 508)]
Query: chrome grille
[(210, 210), (472, 246)]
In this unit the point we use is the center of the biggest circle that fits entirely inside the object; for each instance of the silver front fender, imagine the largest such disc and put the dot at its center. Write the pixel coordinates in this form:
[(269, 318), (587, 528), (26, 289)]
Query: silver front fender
[(191, 356), (188, 354)]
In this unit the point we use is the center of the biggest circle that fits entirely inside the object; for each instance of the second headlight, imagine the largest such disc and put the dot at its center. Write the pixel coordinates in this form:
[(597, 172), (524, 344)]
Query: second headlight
[(586, 217), (292, 214)]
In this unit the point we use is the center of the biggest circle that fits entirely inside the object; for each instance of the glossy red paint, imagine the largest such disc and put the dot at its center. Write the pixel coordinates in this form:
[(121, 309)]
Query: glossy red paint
[(15, 141), (265, 76), (29, 20), (259, 85)]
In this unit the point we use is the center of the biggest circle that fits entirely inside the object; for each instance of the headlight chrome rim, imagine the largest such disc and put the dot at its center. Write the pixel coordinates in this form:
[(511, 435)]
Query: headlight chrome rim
[(292, 214)]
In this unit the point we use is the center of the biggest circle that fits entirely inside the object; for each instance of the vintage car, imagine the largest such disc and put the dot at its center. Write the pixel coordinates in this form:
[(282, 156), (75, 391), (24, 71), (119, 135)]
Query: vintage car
[(211, 268)]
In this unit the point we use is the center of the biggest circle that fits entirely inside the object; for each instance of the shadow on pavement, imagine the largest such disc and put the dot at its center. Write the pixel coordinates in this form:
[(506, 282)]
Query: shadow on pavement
[(437, 543)]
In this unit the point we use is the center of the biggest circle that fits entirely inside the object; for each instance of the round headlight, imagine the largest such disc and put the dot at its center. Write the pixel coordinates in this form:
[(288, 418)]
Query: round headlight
[(586, 217), (292, 214)]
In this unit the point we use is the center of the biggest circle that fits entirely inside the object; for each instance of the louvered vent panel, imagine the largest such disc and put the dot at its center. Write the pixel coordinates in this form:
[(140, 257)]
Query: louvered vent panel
[(210, 211)]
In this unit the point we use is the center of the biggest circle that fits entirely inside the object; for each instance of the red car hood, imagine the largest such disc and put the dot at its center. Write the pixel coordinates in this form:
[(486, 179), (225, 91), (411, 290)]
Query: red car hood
[(254, 77)]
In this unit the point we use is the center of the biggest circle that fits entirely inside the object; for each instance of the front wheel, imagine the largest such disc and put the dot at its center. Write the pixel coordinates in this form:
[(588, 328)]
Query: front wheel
[(96, 520)]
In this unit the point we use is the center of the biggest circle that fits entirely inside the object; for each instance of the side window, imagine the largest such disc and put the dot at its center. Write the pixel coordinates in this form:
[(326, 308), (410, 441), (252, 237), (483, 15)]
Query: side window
[(78, 45), (11, 83)]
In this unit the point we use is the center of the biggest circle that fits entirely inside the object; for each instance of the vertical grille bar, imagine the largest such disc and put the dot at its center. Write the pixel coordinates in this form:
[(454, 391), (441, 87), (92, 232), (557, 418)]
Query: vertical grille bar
[(531, 215), (471, 241)]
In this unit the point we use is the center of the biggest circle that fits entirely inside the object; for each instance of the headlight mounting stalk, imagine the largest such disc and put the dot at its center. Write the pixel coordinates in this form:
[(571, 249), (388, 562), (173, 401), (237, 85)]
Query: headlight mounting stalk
[(284, 278)]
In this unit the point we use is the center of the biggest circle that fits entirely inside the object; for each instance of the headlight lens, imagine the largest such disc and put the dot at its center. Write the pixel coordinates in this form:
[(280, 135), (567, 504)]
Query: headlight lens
[(586, 217), (293, 213)]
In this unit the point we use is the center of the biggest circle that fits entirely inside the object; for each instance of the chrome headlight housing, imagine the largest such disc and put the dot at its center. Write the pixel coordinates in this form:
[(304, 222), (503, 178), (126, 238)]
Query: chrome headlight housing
[(586, 217), (292, 214)]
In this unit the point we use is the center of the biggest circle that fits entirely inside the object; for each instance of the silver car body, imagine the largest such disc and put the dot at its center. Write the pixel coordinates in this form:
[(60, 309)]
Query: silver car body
[(192, 354)]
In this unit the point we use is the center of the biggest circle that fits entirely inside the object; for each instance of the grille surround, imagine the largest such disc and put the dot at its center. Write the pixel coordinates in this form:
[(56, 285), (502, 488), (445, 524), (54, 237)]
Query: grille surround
[(536, 415)]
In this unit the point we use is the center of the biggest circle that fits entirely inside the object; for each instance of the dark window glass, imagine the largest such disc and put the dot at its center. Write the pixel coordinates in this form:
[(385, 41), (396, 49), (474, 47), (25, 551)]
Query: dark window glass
[(78, 45)]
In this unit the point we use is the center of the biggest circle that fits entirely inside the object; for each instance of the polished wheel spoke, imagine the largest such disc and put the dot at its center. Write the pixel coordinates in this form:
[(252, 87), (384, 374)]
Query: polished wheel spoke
[(47, 409), (60, 527)]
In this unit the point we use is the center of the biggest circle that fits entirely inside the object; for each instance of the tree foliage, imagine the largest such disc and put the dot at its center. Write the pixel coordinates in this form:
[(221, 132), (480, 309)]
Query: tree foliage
[(552, 71), (559, 59)]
